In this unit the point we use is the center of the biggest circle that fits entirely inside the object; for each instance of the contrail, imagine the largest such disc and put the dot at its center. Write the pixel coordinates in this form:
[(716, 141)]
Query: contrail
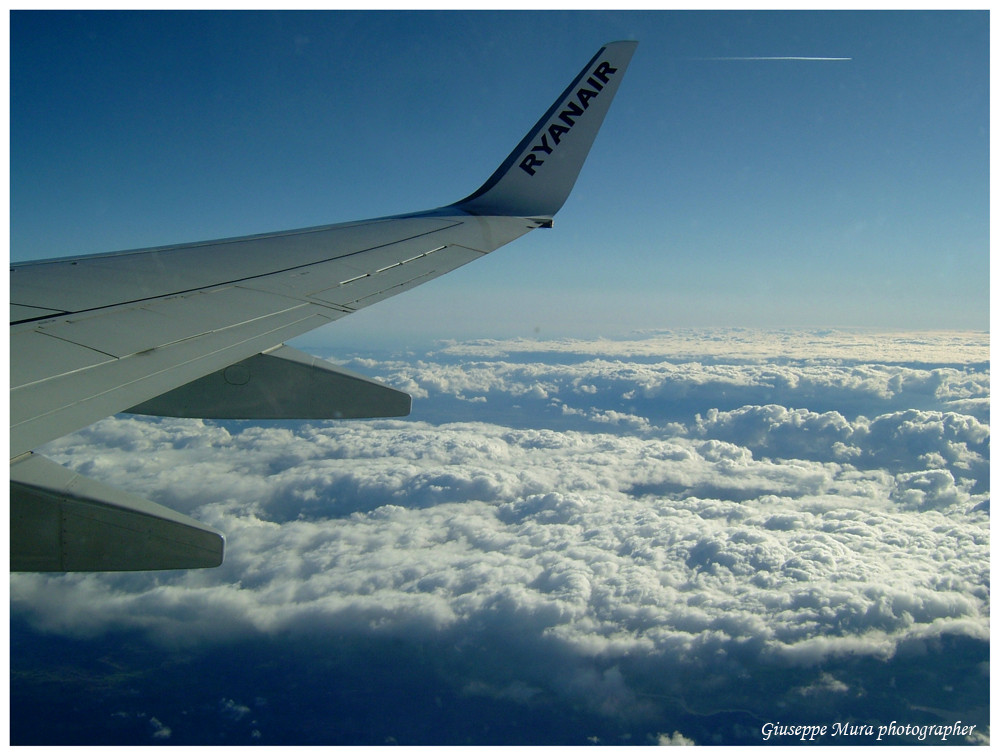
[(771, 57)]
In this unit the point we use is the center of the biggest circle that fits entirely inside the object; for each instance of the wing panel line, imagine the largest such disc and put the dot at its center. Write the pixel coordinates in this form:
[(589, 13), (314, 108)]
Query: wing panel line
[(237, 281)]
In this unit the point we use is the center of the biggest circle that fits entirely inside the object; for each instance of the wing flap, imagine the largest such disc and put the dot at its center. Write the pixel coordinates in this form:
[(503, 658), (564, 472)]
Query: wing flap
[(63, 522), (282, 384)]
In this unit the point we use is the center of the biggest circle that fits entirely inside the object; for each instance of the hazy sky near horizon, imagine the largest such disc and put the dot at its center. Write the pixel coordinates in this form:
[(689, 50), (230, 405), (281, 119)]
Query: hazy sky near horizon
[(719, 192)]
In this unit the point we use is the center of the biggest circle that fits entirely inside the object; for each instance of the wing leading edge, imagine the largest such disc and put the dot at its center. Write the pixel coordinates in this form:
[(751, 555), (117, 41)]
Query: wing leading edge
[(198, 330)]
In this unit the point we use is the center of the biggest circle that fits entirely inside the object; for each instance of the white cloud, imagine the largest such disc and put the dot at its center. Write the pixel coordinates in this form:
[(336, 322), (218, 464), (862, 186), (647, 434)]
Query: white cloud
[(233, 710), (740, 344), (674, 739), (657, 382), (160, 731), (629, 564), (437, 525)]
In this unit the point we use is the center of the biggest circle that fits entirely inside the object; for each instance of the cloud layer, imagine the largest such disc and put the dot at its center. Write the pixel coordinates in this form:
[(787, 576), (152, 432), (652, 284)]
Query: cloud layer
[(621, 546)]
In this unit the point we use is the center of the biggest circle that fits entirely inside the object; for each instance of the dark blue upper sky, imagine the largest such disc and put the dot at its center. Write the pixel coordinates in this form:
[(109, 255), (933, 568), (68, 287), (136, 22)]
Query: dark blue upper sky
[(720, 192)]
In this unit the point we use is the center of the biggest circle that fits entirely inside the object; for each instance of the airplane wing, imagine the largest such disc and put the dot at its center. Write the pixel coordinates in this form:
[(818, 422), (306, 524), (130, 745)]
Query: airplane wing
[(198, 330)]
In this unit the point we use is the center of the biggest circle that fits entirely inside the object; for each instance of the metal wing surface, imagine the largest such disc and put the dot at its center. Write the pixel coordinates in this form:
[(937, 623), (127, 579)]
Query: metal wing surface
[(198, 330)]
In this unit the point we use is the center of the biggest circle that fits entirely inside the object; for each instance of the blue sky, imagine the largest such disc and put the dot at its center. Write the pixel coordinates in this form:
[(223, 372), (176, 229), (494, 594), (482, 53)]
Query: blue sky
[(719, 193)]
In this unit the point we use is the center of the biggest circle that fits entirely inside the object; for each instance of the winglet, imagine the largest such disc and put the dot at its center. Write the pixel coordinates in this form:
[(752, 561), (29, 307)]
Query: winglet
[(536, 178)]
